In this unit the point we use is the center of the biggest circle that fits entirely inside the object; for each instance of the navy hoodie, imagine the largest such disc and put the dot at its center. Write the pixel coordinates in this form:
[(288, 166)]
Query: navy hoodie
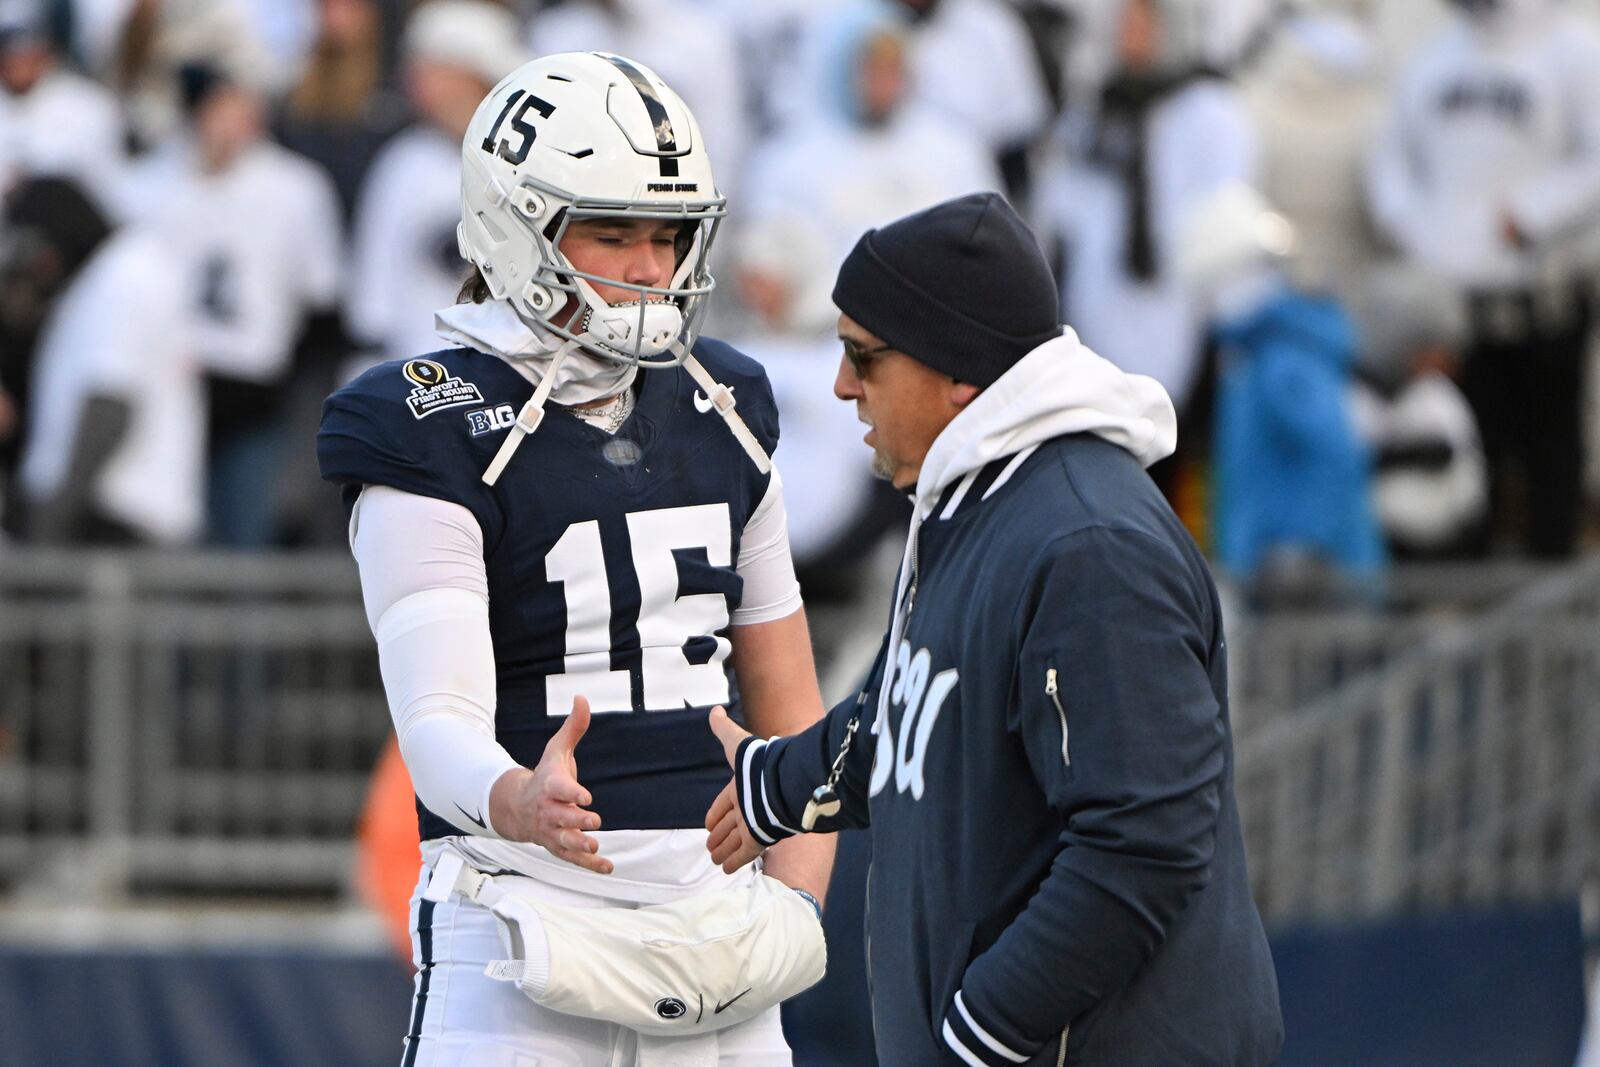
[(1058, 869)]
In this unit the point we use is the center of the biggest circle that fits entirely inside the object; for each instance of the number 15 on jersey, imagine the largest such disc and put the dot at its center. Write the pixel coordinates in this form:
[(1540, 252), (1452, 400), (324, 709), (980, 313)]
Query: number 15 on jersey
[(667, 621)]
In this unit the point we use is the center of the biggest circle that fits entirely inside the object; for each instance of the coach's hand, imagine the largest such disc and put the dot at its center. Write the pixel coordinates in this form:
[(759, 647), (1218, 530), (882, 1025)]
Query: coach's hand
[(547, 806), (731, 843)]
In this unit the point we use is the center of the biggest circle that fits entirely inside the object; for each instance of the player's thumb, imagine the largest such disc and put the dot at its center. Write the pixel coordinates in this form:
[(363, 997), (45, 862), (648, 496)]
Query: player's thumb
[(730, 733), (575, 727)]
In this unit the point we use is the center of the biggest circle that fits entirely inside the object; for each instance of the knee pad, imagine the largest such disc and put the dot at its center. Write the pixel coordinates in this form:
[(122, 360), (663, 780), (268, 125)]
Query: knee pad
[(693, 966)]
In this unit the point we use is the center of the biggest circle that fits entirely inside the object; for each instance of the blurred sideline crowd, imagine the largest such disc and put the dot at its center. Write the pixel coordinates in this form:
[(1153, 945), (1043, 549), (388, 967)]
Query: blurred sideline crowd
[(1356, 240)]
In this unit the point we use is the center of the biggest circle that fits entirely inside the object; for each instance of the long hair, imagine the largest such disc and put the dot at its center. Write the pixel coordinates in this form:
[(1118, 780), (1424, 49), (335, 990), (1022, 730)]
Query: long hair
[(475, 289), (339, 79)]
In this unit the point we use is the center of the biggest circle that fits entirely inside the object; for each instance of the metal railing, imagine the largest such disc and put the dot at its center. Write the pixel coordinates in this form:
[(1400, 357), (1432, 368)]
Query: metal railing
[(1465, 771), (206, 723), (182, 721), (1287, 658)]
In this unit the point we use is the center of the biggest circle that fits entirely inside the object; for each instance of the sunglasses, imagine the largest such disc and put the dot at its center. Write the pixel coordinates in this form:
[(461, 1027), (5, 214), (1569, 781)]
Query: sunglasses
[(861, 358)]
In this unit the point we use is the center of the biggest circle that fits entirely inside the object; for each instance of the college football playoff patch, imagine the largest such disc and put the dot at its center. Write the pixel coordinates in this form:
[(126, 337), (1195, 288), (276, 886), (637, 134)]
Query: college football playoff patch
[(435, 388)]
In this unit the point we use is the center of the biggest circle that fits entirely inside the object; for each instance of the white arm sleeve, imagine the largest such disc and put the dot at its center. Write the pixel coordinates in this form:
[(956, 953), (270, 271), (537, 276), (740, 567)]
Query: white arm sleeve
[(770, 589), (426, 594)]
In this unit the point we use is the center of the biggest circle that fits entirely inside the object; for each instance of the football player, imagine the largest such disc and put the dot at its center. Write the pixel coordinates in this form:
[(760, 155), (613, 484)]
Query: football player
[(568, 527)]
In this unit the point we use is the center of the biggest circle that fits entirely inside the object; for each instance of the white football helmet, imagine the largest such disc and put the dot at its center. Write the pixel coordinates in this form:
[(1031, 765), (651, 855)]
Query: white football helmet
[(585, 135)]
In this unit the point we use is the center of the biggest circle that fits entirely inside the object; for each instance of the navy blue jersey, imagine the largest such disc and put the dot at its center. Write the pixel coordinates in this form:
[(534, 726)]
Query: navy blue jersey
[(610, 558)]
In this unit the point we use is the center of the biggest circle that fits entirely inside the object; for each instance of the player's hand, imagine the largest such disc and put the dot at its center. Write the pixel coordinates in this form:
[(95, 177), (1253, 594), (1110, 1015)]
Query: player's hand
[(547, 805), (730, 733), (731, 843)]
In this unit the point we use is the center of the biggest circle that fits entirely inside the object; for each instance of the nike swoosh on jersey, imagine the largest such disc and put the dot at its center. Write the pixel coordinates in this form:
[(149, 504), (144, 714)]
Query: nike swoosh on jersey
[(703, 404), (475, 819), (722, 1005)]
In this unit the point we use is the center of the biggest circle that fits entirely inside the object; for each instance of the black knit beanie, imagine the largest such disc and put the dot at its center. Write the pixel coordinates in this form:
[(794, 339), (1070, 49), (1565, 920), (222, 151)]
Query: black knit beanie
[(961, 287)]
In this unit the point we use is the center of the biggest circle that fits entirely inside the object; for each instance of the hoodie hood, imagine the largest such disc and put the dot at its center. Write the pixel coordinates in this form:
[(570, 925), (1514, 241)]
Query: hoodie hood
[(843, 42), (1059, 388)]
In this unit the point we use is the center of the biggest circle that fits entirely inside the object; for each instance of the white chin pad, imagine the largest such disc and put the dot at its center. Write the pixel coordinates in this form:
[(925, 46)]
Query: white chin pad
[(619, 326), (694, 966)]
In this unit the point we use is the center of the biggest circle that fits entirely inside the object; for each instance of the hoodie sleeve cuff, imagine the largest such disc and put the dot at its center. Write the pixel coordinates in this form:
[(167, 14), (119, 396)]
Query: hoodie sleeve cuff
[(755, 801), (975, 1042)]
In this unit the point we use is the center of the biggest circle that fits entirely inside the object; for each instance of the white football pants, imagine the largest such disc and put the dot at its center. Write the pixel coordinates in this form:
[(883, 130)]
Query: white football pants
[(460, 1017)]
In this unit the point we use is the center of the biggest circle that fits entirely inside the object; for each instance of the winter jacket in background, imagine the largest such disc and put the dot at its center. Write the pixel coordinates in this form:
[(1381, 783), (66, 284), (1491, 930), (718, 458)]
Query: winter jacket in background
[(1292, 476)]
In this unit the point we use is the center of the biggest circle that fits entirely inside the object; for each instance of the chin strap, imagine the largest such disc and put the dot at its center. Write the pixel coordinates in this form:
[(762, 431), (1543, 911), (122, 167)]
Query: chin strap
[(722, 399), (529, 418), (532, 413)]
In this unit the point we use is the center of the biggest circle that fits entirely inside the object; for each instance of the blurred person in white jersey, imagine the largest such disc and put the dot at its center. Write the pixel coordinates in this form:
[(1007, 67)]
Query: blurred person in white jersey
[(569, 527), (260, 239), (1164, 133), (40, 97), (870, 150), (404, 259), (971, 63), (50, 228), (139, 48), (115, 446), (1487, 173), (866, 155)]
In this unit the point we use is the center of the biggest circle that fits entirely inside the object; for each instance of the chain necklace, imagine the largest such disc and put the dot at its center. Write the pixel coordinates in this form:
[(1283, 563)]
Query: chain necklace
[(608, 417)]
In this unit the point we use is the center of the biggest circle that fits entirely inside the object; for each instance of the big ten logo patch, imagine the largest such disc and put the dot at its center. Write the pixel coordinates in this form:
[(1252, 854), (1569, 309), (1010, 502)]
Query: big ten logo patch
[(491, 420), (922, 698), (434, 388)]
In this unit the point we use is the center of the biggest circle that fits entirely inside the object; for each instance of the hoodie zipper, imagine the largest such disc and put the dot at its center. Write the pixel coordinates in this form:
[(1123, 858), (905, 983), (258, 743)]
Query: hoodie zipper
[(1053, 691), (911, 590)]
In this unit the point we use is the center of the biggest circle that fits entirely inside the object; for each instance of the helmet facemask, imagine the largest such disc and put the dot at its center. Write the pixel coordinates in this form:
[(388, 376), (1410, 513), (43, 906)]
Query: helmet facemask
[(658, 323)]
